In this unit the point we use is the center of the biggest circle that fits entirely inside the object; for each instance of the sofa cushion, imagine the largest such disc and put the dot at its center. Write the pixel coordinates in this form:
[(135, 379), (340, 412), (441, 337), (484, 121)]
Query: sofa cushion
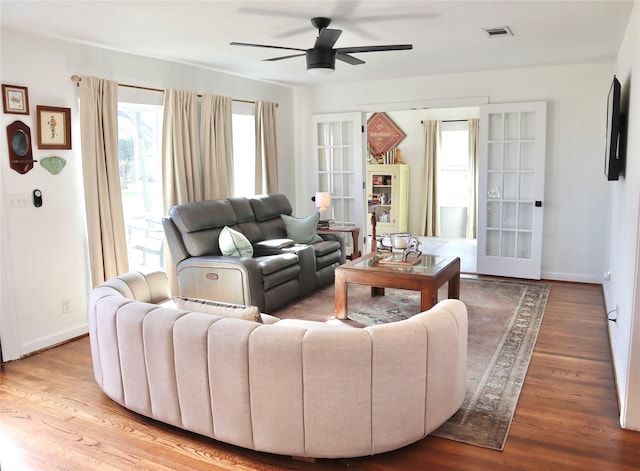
[(267, 207), (302, 230), (272, 263), (234, 243), (200, 223), (249, 313)]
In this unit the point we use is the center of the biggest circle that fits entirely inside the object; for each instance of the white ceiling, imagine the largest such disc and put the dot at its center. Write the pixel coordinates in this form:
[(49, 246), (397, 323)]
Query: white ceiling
[(447, 36)]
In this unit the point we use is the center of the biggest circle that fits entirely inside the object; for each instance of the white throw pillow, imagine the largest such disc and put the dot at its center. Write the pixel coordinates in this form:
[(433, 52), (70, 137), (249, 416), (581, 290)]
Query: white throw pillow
[(302, 230), (249, 313), (234, 243)]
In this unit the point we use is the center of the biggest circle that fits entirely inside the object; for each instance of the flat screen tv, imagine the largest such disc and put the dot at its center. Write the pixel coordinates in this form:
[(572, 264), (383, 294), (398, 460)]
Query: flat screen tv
[(613, 151)]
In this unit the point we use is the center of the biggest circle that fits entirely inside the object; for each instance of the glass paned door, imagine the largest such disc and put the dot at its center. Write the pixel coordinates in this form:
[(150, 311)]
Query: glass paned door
[(510, 189), (339, 164)]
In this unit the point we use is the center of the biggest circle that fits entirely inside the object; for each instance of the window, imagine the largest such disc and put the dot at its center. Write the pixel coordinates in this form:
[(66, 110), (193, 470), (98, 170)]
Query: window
[(244, 150), (454, 179), (140, 156)]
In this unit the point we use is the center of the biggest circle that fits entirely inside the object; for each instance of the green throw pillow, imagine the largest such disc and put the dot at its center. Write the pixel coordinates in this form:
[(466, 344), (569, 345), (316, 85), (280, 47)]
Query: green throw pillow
[(302, 230), (234, 243)]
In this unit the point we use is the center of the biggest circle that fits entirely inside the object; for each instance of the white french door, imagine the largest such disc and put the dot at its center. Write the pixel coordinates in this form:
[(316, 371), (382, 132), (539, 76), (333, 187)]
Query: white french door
[(339, 165), (511, 189)]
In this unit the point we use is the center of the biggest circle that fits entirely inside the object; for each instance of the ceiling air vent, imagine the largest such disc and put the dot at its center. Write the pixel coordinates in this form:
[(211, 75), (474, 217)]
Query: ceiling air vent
[(499, 32)]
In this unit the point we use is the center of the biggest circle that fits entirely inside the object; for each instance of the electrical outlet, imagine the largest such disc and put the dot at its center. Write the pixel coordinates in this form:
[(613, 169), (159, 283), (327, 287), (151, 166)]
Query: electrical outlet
[(66, 306)]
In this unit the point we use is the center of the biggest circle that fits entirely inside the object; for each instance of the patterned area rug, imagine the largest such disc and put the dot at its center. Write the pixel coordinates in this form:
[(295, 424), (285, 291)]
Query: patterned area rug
[(504, 320)]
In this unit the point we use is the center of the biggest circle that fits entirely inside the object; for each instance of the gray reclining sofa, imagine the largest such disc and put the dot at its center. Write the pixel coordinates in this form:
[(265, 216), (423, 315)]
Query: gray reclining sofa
[(279, 269)]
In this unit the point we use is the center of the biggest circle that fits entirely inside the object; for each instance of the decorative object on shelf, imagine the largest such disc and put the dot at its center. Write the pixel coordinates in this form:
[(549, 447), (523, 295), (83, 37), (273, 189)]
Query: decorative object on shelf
[(54, 127), (390, 157), (383, 134), (387, 189), (404, 248), (15, 99), (397, 157), (19, 143), (323, 201), (53, 164), (373, 198)]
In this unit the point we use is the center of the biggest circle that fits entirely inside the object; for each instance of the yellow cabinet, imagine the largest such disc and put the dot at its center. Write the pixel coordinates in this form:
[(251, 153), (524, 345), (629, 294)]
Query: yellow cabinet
[(388, 197)]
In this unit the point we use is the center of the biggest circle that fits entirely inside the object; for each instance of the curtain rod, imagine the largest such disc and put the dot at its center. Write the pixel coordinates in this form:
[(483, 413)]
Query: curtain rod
[(450, 121), (77, 79)]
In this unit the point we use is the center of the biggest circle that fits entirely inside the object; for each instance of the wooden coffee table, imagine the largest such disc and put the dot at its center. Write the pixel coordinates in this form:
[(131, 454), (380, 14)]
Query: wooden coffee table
[(426, 276)]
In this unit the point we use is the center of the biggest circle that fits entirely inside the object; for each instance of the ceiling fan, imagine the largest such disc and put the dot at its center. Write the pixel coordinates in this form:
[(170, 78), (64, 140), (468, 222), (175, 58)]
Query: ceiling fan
[(321, 58)]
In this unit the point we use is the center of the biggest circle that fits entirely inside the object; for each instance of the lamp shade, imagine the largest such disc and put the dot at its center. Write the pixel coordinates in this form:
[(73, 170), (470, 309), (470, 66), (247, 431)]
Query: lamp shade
[(323, 199)]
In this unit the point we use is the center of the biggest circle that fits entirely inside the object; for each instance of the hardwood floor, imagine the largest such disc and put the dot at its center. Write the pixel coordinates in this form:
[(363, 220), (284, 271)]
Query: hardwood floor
[(54, 416)]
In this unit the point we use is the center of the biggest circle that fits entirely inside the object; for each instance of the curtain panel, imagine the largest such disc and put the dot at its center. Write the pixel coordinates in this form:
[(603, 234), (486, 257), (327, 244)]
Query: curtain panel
[(216, 146), (266, 148), (100, 167), (181, 168), (430, 214), (472, 216)]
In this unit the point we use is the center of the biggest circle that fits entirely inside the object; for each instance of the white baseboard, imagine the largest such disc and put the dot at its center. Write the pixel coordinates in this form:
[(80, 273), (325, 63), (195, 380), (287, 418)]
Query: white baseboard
[(54, 339), (576, 278)]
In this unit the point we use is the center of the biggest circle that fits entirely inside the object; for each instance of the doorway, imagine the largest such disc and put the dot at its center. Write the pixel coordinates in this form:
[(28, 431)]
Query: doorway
[(454, 177), (456, 197)]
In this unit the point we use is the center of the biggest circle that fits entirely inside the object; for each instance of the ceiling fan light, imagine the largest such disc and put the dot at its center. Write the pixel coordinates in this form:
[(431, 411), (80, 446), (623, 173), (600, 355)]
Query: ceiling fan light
[(319, 70), (321, 61)]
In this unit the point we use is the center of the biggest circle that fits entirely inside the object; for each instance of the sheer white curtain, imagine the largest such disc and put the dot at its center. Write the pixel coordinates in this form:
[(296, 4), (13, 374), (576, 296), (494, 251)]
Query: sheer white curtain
[(472, 217), (430, 214), (216, 146), (266, 148), (181, 168), (100, 167)]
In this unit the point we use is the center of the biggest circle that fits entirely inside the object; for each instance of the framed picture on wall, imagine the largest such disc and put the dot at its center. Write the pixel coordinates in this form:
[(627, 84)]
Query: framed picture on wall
[(54, 127), (15, 99)]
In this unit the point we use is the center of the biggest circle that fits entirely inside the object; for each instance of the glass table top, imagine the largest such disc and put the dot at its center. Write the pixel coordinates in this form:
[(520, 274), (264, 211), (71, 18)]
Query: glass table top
[(427, 265)]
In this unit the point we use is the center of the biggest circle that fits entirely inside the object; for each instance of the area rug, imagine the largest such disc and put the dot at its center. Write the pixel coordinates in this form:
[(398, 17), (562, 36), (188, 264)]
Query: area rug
[(504, 320)]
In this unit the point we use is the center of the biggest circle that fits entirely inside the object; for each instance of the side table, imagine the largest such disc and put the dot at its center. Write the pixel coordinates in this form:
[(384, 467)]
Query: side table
[(355, 235)]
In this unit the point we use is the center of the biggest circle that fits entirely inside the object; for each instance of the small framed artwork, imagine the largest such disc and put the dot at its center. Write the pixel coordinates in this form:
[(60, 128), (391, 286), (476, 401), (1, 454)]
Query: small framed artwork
[(54, 127), (15, 99)]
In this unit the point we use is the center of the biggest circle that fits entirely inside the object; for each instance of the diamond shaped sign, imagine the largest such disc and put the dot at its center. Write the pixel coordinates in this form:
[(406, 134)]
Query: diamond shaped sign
[(382, 133)]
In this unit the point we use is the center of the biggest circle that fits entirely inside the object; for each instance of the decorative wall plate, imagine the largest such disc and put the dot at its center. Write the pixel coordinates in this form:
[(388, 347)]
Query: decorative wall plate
[(53, 164)]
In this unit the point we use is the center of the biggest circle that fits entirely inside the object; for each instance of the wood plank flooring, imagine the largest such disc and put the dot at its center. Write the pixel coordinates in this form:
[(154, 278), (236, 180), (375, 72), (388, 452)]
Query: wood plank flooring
[(53, 416)]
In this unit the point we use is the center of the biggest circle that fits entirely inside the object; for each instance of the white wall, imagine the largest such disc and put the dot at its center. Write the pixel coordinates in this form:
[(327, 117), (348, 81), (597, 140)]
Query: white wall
[(43, 254), (623, 229), (576, 192)]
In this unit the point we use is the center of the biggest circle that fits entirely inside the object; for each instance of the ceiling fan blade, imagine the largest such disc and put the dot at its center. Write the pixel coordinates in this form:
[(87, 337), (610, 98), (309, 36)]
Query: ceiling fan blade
[(327, 38), (348, 59), (291, 32), (393, 47), (266, 45), (283, 57)]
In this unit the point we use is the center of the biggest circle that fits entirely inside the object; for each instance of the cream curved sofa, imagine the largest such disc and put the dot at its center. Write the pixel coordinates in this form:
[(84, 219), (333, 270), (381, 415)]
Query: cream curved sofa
[(291, 387)]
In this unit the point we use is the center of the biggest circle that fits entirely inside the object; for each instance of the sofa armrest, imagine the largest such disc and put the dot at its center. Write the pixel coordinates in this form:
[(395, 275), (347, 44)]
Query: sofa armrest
[(235, 280), (271, 247), (340, 237), (174, 239)]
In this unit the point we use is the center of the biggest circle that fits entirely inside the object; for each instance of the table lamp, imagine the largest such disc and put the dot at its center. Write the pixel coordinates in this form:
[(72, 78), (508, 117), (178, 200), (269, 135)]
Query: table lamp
[(323, 201)]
